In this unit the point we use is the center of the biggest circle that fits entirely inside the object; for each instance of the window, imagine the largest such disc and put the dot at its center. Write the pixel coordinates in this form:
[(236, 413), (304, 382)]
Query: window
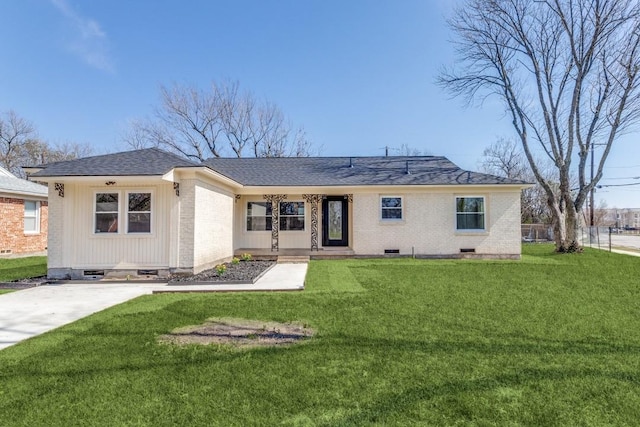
[(258, 216), (391, 208), (106, 213), (31, 217), (139, 213), (470, 213), (291, 216)]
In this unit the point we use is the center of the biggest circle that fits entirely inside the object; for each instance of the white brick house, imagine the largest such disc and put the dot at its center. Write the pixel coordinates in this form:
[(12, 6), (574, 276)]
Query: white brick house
[(149, 211)]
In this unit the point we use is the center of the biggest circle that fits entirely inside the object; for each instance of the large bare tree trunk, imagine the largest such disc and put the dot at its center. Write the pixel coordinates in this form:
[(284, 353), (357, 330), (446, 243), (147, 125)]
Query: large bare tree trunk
[(567, 72)]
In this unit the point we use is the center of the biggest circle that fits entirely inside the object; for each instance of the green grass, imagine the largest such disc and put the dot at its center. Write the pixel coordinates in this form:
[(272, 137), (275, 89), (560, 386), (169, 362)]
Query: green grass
[(5, 291), (21, 268), (545, 341)]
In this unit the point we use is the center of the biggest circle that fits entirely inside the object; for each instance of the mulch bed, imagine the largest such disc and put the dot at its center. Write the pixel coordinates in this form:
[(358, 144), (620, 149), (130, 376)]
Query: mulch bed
[(242, 272)]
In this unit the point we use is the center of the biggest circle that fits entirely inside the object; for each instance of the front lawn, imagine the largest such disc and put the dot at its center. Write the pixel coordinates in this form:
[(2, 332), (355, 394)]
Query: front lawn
[(549, 340), (22, 268)]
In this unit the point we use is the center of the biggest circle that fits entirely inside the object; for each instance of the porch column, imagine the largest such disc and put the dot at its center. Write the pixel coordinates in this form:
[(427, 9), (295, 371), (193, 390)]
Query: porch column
[(313, 200), (275, 213)]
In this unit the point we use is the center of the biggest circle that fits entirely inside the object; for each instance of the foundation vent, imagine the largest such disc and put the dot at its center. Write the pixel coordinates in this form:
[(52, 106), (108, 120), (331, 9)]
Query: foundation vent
[(147, 272), (467, 251), (93, 273), (5, 251), (392, 251)]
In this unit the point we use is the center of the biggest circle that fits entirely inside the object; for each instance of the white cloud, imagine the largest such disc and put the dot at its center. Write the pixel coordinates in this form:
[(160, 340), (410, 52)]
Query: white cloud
[(89, 41)]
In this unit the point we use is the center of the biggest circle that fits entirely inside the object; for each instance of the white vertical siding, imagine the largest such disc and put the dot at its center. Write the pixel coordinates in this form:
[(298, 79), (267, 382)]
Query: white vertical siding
[(88, 250)]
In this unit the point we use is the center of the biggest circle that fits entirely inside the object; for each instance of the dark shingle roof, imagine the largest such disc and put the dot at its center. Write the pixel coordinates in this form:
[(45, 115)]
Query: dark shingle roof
[(149, 161), (345, 171), (282, 171)]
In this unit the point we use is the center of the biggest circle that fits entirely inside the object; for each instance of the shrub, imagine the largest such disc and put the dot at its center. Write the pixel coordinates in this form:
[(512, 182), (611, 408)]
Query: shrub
[(221, 269), (246, 256)]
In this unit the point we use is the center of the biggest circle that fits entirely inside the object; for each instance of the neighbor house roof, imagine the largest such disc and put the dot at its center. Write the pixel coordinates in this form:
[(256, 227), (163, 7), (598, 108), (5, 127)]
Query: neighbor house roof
[(11, 184), (148, 161), (283, 171)]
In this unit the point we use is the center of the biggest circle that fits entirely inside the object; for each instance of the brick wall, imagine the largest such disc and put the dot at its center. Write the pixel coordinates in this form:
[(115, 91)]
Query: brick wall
[(13, 239), (428, 225)]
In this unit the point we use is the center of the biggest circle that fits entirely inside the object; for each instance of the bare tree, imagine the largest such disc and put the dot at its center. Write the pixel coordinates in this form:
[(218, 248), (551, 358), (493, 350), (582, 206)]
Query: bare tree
[(505, 158), (198, 124), (15, 133), (567, 73), (20, 146)]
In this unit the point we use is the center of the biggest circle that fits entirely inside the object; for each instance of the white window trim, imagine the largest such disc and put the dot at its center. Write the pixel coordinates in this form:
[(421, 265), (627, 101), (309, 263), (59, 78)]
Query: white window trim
[(246, 216), (402, 208), (123, 211), (95, 213), (126, 212), (303, 216), (37, 217), (455, 213)]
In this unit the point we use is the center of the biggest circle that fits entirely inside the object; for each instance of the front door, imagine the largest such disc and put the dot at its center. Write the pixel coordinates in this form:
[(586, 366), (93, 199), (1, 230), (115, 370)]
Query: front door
[(335, 224)]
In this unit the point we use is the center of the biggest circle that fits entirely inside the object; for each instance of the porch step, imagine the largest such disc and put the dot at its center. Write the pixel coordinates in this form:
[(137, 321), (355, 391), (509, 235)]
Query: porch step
[(292, 259)]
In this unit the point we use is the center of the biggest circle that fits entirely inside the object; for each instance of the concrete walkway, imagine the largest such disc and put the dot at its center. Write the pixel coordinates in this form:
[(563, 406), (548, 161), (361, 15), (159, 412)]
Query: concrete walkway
[(30, 312)]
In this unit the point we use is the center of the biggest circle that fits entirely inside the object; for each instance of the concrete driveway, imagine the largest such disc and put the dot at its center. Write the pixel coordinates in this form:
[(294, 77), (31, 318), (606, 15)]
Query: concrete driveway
[(30, 312)]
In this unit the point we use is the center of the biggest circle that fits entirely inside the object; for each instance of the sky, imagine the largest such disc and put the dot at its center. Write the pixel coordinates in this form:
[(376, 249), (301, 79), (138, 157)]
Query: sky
[(358, 75)]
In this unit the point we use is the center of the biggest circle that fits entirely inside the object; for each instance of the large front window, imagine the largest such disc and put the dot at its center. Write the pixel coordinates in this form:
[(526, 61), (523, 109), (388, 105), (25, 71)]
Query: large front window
[(107, 207), (119, 211), (258, 216), (470, 213), (291, 216)]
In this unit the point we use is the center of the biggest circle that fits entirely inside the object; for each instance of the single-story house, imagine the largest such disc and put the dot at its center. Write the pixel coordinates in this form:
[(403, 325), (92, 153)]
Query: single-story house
[(149, 211), (23, 215)]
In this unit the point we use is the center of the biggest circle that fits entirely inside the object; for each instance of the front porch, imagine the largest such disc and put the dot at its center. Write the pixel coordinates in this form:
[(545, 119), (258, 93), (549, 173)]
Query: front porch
[(321, 253)]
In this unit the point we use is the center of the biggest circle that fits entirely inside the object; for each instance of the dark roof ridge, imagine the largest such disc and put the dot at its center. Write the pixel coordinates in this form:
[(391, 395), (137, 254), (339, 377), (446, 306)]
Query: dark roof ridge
[(327, 157)]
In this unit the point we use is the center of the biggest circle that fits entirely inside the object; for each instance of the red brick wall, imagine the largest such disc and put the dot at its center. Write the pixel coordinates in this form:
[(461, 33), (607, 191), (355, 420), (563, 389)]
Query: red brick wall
[(13, 239)]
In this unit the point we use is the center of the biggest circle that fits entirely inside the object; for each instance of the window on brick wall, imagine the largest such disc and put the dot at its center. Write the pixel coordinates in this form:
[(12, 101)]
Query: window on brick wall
[(31, 217), (470, 213), (391, 208)]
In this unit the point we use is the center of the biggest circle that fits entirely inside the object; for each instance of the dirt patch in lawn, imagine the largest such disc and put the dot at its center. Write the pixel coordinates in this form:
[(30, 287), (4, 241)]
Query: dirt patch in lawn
[(240, 333)]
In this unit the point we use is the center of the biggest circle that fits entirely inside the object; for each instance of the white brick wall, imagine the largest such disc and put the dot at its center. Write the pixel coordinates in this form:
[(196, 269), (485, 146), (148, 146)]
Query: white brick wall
[(428, 226), (213, 228), (55, 238), (187, 223)]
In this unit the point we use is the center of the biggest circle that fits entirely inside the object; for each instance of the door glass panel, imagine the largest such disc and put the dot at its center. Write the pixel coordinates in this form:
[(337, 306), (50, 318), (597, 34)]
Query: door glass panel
[(335, 220)]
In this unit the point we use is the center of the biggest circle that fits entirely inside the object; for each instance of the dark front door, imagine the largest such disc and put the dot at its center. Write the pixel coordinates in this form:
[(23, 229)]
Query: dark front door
[(335, 224)]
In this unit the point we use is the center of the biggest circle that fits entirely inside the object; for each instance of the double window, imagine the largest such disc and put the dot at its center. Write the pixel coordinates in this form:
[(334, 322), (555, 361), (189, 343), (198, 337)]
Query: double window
[(260, 216), (31, 217), (470, 213), (137, 216), (391, 208)]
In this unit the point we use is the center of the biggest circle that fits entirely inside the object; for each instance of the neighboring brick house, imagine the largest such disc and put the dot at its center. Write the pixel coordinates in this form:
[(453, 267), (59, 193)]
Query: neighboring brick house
[(152, 212), (23, 215)]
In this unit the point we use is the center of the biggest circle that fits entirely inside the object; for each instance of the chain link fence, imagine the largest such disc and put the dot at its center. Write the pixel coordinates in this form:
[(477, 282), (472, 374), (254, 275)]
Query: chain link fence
[(532, 233)]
